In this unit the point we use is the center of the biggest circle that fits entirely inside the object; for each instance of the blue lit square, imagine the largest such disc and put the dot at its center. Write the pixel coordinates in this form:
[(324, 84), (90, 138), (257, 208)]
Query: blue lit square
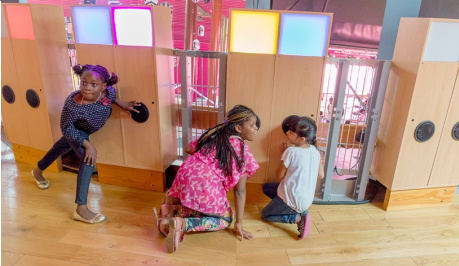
[(92, 25), (304, 34)]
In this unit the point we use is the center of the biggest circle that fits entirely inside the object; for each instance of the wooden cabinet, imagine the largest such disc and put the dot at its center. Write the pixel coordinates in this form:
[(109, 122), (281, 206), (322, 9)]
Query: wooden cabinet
[(422, 88), (136, 154), (285, 80), (34, 61)]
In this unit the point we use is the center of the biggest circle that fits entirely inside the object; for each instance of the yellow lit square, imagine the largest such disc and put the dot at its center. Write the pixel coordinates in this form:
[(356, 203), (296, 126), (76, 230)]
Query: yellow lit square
[(254, 32)]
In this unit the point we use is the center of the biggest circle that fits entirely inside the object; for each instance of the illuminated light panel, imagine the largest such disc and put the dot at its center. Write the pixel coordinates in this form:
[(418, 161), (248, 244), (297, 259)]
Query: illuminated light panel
[(442, 42), (254, 32), (133, 26), (20, 22), (92, 25), (304, 34)]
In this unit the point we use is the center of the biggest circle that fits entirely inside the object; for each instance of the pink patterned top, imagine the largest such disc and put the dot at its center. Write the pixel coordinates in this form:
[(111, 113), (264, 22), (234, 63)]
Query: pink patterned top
[(202, 186)]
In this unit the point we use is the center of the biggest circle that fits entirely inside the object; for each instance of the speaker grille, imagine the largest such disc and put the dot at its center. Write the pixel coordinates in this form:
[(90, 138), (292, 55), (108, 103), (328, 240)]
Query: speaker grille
[(424, 131), (8, 94), (455, 131), (32, 98), (141, 117)]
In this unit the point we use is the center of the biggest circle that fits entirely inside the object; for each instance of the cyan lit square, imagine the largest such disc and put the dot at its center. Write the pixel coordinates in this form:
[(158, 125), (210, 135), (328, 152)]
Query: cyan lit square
[(304, 34)]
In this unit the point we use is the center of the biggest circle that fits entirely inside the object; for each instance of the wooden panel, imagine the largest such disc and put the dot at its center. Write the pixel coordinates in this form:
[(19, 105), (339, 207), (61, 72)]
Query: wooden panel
[(30, 155), (430, 102), (108, 140), (297, 89), (51, 38), (410, 43), (201, 117), (28, 68), (96, 54), (166, 105), (162, 24), (250, 82), (12, 113), (136, 68), (411, 38), (346, 135), (391, 126), (445, 171), (131, 177), (419, 198)]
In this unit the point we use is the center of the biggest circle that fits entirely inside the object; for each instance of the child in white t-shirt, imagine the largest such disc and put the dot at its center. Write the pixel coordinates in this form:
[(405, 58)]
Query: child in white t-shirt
[(299, 169)]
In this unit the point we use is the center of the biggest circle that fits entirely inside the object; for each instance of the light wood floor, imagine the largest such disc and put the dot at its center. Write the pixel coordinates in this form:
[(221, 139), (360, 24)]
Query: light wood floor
[(37, 229)]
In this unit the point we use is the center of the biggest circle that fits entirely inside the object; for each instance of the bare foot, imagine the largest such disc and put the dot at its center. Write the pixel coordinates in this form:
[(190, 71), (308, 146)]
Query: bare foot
[(38, 174), (84, 212)]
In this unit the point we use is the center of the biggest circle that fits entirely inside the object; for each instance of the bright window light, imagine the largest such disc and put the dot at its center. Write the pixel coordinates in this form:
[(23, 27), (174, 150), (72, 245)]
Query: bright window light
[(254, 32), (133, 26), (20, 22), (92, 25), (304, 34)]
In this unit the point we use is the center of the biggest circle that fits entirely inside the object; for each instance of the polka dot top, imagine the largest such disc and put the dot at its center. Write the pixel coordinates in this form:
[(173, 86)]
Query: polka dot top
[(88, 118)]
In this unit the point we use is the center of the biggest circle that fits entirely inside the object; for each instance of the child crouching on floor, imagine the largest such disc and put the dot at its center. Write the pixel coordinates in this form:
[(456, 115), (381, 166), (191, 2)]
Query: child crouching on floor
[(298, 172)]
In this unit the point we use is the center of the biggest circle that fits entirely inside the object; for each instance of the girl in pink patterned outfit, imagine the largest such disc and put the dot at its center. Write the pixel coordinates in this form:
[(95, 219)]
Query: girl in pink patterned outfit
[(220, 160)]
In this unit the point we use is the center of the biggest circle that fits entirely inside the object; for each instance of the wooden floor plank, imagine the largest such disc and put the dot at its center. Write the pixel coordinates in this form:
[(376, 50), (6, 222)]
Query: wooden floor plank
[(443, 259), (193, 247), (339, 215), (39, 261), (352, 225), (10, 258), (42, 248), (108, 257), (33, 230), (345, 253), (269, 244), (275, 257)]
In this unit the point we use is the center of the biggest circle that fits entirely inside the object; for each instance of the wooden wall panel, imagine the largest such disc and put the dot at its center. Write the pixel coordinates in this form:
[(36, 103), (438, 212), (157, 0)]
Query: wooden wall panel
[(445, 171), (430, 101), (51, 39), (166, 106), (162, 24), (136, 66), (411, 39), (297, 90), (12, 114), (250, 82), (30, 73)]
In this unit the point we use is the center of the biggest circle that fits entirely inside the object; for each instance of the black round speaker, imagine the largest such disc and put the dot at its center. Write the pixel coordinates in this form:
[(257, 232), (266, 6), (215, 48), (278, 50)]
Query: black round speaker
[(8, 94), (143, 114), (287, 121), (455, 132), (424, 131), (32, 98)]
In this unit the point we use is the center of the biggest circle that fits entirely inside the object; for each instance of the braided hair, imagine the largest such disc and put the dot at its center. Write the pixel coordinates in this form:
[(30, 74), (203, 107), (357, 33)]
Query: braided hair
[(109, 79), (304, 127), (217, 138)]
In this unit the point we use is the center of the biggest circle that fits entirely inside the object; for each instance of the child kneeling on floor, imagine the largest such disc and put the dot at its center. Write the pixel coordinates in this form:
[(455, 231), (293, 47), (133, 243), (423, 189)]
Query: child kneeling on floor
[(299, 169)]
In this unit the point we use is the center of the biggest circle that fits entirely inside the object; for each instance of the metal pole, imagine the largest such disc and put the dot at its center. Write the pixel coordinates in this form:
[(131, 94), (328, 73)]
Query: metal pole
[(185, 77), (371, 131), (333, 132)]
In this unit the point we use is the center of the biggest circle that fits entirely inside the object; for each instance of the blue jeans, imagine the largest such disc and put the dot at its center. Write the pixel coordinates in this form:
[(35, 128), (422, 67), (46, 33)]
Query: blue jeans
[(85, 171), (278, 211), (270, 189)]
